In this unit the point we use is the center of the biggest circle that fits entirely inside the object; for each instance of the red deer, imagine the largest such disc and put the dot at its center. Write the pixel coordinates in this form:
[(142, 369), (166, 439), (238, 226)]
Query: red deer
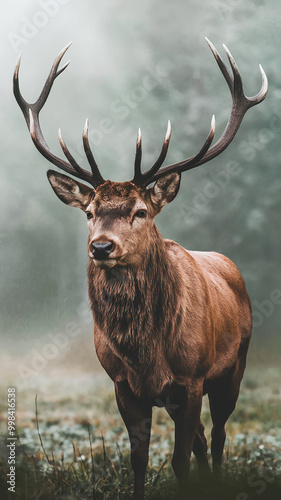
[(169, 325)]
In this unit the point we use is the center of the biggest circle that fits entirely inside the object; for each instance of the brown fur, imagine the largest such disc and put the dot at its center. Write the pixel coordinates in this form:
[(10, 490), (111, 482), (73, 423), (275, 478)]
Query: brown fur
[(147, 325), (169, 325)]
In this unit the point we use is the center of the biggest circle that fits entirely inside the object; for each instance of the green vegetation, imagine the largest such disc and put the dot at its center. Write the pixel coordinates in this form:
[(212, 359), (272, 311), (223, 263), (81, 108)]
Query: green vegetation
[(100, 476), (77, 448)]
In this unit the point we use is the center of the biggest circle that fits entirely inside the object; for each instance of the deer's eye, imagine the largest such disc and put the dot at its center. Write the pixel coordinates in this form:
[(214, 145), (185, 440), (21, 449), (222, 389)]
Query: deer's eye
[(141, 213), (89, 215)]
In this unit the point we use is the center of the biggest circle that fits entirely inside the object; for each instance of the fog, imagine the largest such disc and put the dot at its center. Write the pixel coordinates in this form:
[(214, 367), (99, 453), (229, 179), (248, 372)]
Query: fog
[(118, 46)]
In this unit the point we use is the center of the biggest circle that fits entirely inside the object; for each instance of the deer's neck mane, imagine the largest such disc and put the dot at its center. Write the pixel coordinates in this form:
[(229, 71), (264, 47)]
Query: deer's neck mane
[(135, 296), (136, 307)]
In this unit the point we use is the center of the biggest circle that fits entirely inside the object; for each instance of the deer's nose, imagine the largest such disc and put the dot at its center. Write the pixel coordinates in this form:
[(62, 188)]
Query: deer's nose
[(102, 249)]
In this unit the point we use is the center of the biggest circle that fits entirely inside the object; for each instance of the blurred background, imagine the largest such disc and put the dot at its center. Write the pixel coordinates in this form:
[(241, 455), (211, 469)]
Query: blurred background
[(118, 47)]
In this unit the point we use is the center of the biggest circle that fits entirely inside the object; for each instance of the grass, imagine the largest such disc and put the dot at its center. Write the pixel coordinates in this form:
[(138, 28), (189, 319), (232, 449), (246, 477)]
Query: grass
[(76, 447), (99, 477), (104, 474)]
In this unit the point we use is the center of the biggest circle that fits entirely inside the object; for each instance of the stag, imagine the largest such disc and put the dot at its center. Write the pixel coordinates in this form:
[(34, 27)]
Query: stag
[(170, 325)]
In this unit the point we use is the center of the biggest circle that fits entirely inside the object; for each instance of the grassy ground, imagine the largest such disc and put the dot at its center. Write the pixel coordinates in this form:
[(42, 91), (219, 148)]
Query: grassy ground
[(76, 447)]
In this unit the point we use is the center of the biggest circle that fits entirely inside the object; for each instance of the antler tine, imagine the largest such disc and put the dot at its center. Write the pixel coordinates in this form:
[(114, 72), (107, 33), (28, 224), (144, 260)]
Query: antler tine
[(261, 95), (71, 159), (138, 176), (164, 150), (185, 165), (17, 93), (252, 101), (37, 105), (40, 143), (240, 105), (141, 179), (220, 63), (92, 162), (31, 113), (51, 78)]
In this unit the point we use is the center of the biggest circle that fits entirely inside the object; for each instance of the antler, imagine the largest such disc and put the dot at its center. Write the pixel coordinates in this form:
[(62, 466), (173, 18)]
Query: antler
[(31, 114), (240, 104)]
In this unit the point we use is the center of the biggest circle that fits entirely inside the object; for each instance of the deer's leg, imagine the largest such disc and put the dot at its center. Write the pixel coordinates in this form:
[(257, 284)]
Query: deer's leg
[(200, 449), (137, 414), (187, 418), (223, 395)]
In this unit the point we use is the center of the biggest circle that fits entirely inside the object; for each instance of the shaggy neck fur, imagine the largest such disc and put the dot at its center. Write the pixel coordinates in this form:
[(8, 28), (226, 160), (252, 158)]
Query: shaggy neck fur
[(135, 307)]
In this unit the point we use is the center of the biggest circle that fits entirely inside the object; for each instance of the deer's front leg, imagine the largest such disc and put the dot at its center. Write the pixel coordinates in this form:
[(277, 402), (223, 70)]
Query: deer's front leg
[(186, 415), (137, 414)]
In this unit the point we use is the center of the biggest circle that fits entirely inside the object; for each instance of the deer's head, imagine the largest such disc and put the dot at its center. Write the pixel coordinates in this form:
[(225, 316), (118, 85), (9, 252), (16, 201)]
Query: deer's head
[(121, 214)]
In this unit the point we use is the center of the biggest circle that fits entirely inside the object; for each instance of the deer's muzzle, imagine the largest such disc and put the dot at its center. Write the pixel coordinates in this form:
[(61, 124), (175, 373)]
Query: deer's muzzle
[(102, 249)]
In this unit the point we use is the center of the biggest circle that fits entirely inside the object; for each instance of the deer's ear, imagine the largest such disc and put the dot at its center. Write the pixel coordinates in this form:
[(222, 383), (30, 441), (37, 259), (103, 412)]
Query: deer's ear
[(165, 190), (69, 191)]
